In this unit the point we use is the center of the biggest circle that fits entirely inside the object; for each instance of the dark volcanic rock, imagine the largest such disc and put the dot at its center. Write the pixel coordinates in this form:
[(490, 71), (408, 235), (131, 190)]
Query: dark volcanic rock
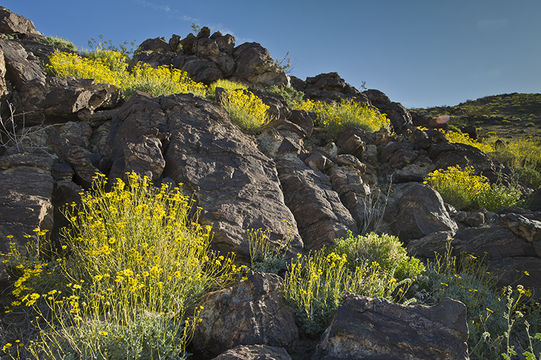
[(254, 352), (256, 66), (418, 211), (14, 24), (320, 215), (375, 329), (330, 86), (26, 197), (251, 312), (236, 185)]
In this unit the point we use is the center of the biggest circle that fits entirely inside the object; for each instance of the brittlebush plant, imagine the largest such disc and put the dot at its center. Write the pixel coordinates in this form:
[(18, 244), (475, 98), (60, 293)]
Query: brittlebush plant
[(246, 110), (111, 67), (316, 284), (386, 250), (336, 116), (465, 190), (127, 275)]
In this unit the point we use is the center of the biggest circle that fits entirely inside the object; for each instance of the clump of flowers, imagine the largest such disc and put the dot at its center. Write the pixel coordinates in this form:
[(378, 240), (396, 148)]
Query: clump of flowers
[(335, 116), (316, 284), (111, 67), (127, 276), (463, 189), (461, 138), (245, 109)]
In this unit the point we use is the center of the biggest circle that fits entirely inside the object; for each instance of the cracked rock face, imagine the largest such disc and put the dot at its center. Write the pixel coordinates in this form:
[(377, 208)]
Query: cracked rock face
[(251, 312), (366, 328), (236, 185)]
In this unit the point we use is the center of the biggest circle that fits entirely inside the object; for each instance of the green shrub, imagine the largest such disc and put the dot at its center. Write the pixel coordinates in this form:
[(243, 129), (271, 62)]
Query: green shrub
[(316, 284), (462, 189), (57, 42), (466, 279), (289, 94), (384, 249), (530, 176), (266, 256), (126, 278), (245, 109)]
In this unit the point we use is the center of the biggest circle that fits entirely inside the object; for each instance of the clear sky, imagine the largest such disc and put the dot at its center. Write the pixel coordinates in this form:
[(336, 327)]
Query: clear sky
[(419, 52)]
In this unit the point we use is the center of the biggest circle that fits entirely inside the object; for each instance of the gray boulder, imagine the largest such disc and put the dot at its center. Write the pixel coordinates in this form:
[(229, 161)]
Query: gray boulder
[(417, 210), (236, 185), (320, 215), (375, 329), (255, 66), (14, 24), (251, 312)]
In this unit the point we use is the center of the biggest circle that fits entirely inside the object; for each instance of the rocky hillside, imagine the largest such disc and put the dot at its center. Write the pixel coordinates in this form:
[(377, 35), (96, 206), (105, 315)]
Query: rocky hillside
[(290, 179), (508, 115)]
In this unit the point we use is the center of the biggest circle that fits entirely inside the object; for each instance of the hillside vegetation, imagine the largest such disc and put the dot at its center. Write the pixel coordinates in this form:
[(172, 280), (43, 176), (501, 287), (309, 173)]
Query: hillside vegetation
[(507, 115)]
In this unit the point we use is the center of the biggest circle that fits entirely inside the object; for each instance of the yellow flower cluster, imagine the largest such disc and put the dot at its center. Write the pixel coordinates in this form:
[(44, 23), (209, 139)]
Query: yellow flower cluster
[(457, 186), (461, 138), (245, 109), (111, 67), (131, 249), (346, 113)]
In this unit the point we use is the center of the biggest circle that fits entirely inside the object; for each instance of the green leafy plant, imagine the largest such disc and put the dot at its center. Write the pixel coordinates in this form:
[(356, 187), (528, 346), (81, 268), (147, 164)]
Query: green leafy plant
[(386, 250), (289, 94), (316, 284), (265, 255), (57, 42)]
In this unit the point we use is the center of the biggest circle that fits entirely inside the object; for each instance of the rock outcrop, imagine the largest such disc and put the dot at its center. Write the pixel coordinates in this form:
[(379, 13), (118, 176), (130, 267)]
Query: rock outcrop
[(249, 313), (192, 141), (365, 328)]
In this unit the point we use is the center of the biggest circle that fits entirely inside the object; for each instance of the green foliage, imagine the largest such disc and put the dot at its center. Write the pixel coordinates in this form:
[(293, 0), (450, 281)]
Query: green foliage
[(466, 279), (126, 48), (524, 156), (315, 285), (290, 95), (246, 110), (462, 189), (57, 42), (126, 278), (111, 67), (386, 250), (347, 113), (507, 114), (266, 256)]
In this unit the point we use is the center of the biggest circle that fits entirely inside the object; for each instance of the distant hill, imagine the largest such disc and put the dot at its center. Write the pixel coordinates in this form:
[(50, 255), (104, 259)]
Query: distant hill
[(508, 115)]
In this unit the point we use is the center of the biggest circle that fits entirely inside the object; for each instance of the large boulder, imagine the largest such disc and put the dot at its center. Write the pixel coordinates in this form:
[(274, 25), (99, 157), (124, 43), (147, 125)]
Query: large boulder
[(417, 210), (236, 185), (251, 312), (39, 99), (400, 116), (255, 66), (26, 198), (366, 328), (14, 24), (320, 215)]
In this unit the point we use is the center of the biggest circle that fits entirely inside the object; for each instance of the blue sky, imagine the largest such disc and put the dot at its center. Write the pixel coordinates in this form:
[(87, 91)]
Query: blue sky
[(419, 52)]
